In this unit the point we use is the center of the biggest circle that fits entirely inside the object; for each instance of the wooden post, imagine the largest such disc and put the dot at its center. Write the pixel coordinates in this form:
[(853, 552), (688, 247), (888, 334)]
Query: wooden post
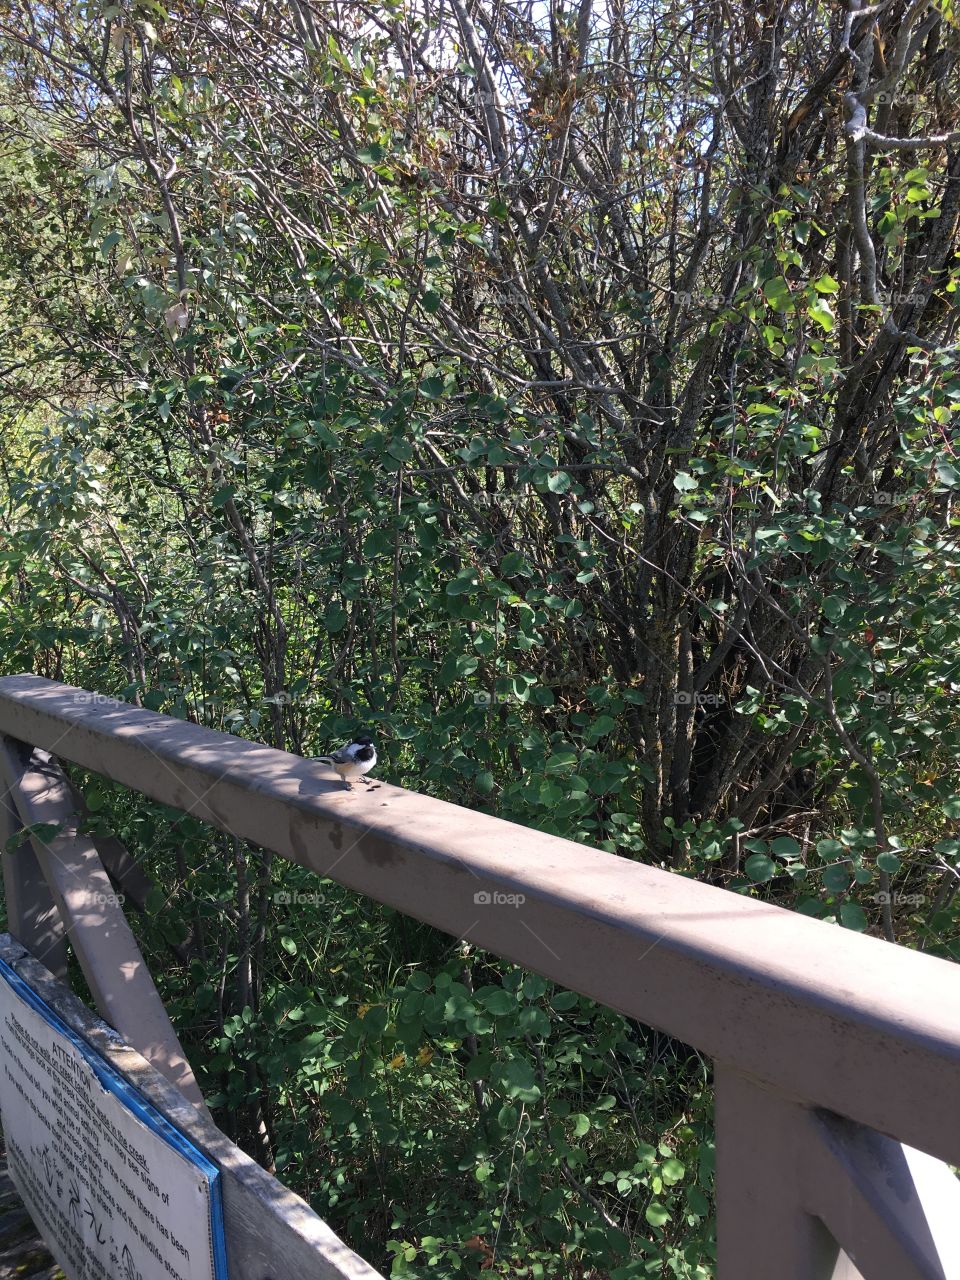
[(894, 1209), (115, 971), (763, 1227), (32, 915)]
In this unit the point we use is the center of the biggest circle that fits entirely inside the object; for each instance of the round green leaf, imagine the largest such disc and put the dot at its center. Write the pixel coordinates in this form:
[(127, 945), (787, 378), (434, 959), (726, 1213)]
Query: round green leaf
[(656, 1214), (786, 847), (852, 916), (760, 868), (519, 1080)]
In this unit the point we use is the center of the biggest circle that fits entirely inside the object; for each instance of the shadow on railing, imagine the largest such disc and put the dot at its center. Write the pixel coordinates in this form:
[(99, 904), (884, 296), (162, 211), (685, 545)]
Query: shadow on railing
[(831, 1049)]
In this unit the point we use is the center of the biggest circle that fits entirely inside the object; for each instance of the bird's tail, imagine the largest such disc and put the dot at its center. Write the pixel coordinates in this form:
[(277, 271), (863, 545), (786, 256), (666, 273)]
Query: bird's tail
[(322, 759)]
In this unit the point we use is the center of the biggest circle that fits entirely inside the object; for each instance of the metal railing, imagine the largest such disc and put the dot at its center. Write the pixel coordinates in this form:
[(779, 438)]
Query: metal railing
[(837, 1056)]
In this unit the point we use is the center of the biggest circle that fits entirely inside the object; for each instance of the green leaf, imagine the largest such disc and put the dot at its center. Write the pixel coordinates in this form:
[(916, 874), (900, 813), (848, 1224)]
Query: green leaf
[(656, 1214), (323, 436), (156, 900), (830, 849), (684, 482), (888, 861), (515, 565), (558, 482), (340, 1111), (520, 1081), (777, 293), (823, 315), (698, 1202), (760, 868), (564, 1000), (534, 1022), (786, 847), (852, 916), (335, 618), (431, 388), (508, 1117), (465, 581), (374, 1021), (43, 831), (496, 1001), (602, 726), (836, 878)]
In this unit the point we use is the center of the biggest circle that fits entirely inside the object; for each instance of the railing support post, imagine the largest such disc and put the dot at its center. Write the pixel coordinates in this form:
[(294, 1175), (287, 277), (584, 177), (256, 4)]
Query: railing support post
[(763, 1228), (116, 972), (32, 914)]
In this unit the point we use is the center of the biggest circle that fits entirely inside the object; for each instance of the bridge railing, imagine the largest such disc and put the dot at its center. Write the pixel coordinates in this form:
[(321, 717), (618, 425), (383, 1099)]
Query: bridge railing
[(837, 1056)]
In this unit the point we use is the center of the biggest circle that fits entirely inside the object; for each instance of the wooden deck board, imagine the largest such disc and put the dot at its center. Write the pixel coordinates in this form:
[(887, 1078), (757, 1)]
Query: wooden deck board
[(23, 1255)]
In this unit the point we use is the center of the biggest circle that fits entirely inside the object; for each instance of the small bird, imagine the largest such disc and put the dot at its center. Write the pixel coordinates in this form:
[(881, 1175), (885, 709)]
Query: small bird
[(353, 760)]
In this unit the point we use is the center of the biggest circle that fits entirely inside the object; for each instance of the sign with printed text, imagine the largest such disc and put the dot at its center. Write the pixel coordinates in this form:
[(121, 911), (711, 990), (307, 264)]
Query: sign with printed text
[(116, 1191)]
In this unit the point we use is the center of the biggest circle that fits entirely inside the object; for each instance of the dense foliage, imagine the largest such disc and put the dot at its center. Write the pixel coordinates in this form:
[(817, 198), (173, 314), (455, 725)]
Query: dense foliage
[(567, 392)]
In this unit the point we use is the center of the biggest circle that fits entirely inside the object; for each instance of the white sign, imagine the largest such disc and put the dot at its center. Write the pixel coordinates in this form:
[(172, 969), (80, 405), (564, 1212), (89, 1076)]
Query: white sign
[(115, 1190)]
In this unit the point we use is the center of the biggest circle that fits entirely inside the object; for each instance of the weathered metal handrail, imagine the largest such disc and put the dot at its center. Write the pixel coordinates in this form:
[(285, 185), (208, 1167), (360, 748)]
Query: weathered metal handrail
[(824, 1040)]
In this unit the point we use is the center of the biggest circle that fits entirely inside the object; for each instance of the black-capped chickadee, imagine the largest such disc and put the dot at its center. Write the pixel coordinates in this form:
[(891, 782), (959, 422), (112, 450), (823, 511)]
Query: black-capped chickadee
[(353, 760)]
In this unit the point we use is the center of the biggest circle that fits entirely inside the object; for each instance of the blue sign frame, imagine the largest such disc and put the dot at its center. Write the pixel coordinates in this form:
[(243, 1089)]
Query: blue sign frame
[(144, 1110)]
